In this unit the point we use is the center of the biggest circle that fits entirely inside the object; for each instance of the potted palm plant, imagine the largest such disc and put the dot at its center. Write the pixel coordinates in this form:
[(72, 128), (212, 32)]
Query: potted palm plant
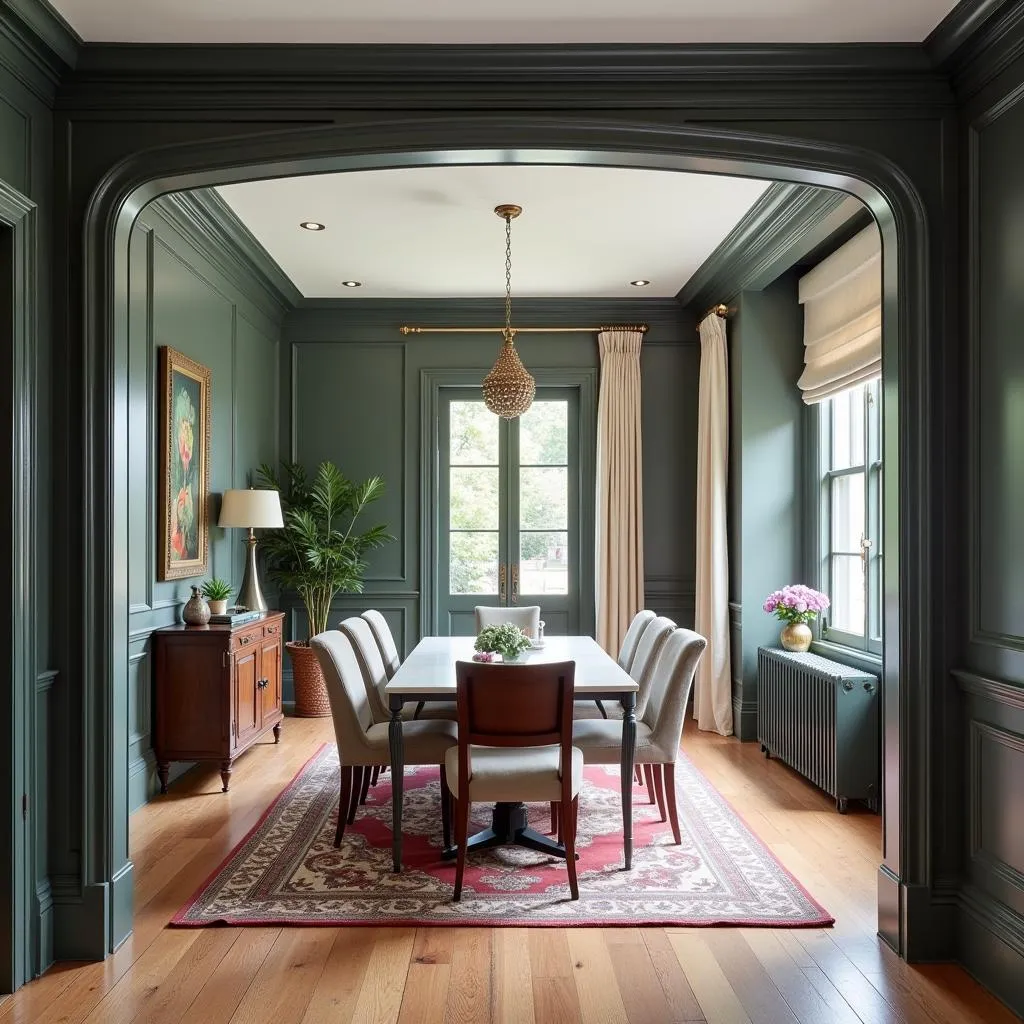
[(318, 554)]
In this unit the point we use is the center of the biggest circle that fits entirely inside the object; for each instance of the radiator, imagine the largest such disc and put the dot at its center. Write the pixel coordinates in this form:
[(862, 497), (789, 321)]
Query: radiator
[(821, 718)]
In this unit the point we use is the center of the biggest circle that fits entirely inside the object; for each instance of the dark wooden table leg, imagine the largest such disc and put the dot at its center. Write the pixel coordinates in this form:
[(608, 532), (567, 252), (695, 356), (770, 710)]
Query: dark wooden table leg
[(163, 768), (397, 781), (277, 733), (626, 771), (225, 775)]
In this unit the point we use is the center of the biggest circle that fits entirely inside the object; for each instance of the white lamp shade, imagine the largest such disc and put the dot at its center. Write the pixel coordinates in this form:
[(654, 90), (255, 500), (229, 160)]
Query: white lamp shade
[(251, 508)]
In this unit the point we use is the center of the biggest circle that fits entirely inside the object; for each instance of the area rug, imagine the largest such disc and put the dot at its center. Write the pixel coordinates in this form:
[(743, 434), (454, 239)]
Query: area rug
[(287, 872)]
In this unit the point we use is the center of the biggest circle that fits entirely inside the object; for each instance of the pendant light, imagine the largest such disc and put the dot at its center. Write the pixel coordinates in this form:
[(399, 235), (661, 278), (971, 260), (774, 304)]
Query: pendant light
[(508, 388)]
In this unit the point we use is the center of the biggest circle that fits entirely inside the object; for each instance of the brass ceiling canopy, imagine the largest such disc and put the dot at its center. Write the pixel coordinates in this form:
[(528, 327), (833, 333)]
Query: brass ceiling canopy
[(508, 388)]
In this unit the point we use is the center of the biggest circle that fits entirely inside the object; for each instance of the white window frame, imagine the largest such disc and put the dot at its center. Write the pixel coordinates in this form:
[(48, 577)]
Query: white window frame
[(871, 553)]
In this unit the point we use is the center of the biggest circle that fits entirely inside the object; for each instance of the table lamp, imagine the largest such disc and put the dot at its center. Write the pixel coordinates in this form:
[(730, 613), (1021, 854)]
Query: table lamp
[(250, 509)]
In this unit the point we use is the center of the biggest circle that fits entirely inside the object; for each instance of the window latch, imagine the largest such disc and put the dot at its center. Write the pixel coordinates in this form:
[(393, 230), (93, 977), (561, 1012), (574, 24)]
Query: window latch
[(865, 547)]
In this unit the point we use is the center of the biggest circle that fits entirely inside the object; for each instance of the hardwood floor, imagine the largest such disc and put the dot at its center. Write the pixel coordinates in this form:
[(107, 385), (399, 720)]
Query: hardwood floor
[(840, 975)]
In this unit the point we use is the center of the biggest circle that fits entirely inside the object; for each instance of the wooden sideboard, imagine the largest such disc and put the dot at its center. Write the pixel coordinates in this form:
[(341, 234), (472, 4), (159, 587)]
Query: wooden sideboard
[(218, 690)]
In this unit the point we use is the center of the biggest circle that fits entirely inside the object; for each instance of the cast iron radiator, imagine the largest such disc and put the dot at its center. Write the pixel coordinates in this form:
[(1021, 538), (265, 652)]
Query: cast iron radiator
[(821, 718)]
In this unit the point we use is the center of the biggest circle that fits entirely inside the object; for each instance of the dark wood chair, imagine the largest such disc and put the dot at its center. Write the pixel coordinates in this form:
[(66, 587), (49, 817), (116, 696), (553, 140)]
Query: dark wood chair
[(515, 745)]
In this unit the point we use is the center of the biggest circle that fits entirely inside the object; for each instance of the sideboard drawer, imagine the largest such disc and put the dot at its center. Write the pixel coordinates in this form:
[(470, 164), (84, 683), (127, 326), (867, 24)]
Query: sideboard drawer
[(247, 637), (272, 629)]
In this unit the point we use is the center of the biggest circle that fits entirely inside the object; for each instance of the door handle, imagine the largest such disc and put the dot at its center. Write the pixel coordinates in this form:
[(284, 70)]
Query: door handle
[(262, 683), (501, 583), (515, 582)]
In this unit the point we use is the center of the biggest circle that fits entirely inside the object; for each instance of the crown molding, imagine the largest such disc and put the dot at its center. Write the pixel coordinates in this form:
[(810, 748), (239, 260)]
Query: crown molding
[(781, 228), (45, 42), (892, 79), (977, 41), (208, 221)]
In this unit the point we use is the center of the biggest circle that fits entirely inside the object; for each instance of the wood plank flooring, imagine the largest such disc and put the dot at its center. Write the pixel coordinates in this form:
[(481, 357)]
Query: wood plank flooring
[(842, 975)]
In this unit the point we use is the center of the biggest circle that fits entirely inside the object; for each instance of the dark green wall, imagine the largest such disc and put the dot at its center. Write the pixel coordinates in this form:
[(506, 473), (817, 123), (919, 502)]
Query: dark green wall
[(766, 445), (352, 394), (201, 299)]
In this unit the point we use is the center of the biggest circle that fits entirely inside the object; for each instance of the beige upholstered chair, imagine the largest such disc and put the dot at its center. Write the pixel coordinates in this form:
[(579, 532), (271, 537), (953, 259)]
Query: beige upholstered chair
[(631, 640), (385, 641), (360, 633), (527, 618), (660, 729), (515, 744), (363, 742)]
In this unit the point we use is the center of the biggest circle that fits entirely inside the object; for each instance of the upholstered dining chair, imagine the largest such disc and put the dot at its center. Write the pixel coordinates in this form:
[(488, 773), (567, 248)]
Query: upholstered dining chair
[(515, 744), (363, 742), (627, 651), (659, 730), (527, 617), (385, 641)]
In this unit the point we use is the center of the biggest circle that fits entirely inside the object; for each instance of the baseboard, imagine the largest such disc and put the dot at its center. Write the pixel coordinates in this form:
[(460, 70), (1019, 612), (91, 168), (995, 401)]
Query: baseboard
[(43, 927), (122, 904), (80, 920), (991, 946), (143, 784), (930, 928), (890, 908), (744, 718)]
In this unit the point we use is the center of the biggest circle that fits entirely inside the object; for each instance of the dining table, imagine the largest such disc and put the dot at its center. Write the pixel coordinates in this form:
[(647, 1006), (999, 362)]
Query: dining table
[(428, 674)]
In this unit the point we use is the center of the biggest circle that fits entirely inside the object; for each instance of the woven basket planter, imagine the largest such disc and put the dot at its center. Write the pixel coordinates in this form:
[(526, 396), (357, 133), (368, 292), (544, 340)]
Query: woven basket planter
[(311, 699)]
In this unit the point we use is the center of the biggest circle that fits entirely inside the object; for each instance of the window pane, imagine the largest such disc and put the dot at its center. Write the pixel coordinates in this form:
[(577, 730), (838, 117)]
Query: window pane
[(474, 434), (473, 567), (847, 595), (544, 499), (543, 563), (848, 428), (847, 512), (544, 434), (473, 499)]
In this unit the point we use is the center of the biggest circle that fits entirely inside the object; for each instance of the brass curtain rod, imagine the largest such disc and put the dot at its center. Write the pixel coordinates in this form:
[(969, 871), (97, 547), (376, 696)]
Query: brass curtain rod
[(642, 328), (719, 309)]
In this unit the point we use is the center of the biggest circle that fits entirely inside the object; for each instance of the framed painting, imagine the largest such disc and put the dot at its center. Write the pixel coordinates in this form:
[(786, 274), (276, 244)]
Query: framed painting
[(184, 466)]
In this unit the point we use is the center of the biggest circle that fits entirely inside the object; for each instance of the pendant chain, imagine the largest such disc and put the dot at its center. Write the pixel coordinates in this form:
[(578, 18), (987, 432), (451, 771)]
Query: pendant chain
[(508, 278)]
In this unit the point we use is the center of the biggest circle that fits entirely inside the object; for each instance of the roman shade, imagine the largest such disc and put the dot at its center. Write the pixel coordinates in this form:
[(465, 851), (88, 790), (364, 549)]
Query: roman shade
[(842, 300)]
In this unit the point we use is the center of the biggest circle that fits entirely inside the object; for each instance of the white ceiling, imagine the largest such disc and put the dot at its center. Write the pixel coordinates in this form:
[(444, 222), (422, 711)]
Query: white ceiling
[(432, 232), (480, 21)]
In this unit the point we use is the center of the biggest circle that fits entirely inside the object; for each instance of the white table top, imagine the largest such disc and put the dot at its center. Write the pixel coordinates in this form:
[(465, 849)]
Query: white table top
[(430, 668)]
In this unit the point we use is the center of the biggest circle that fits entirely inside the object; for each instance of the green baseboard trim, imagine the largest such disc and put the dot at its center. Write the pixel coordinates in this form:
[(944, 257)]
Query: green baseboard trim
[(143, 784), (80, 920), (931, 923), (744, 718), (122, 904), (991, 945), (890, 907), (43, 927)]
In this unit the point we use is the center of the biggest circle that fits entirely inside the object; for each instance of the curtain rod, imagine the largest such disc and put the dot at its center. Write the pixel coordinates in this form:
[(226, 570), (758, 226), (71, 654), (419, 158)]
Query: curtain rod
[(719, 309), (642, 328)]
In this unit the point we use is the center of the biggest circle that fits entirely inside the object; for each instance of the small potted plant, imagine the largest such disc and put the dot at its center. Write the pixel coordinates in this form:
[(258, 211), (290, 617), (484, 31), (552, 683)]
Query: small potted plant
[(217, 592), (796, 605), (507, 640)]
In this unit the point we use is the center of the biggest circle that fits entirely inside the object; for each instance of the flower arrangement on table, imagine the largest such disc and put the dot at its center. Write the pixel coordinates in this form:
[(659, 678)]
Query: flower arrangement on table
[(796, 605), (507, 640)]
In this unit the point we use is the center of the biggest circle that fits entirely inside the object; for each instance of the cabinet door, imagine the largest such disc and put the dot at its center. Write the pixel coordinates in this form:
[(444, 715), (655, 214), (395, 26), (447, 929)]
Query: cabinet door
[(248, 700), (270, 678)]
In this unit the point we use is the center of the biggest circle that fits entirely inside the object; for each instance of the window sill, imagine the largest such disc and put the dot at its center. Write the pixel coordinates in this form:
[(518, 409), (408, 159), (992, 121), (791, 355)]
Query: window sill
[(863, 660)]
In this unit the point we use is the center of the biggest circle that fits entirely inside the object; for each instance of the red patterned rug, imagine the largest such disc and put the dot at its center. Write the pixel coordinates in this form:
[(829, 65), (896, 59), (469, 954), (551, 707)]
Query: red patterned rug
[(287, 872)]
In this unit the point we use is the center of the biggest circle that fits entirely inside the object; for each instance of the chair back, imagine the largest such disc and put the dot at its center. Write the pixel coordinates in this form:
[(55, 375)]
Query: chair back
[(527, 618), (371, 664), (647, 650), (346, 691), (631, 640), (670, 689), (385, 641), (513, 706)]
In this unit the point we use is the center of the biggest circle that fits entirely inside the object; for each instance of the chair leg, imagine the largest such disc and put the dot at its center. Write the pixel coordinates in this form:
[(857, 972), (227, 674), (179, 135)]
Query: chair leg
[(649, 779), (638, 775), (357, 788), (659, 790), (461, 837), (446, 811), (376, 775), (365, 788), (344, 799), (670, 799), (554, 817), (419, 707), (570, 815), (600, 707)]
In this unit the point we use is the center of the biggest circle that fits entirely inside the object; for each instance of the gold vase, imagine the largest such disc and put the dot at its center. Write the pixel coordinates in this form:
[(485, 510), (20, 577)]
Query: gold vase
[(796, 636)]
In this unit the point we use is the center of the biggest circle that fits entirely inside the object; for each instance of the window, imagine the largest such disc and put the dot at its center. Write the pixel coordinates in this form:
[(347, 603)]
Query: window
[(850, 537)]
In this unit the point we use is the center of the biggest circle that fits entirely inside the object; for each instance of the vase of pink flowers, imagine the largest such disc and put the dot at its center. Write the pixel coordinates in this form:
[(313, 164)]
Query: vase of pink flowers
[(796, 605)]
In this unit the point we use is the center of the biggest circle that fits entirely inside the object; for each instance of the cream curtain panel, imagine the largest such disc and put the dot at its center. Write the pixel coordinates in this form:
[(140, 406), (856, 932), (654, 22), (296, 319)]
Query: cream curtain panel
[(842, 300), (712, 695), (619, 575)]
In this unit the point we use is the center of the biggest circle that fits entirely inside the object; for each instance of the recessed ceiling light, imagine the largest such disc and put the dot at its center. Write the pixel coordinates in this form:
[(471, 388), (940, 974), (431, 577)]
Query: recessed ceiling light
[(312, 225), (352, 284), (640, 283)]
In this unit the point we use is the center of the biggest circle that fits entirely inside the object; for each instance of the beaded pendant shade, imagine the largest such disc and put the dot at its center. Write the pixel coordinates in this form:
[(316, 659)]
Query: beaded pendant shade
[(508, 388)]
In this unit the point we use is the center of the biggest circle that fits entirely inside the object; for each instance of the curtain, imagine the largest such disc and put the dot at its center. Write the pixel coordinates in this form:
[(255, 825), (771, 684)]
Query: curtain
[(842, 300), (619, 575), (712, 696)]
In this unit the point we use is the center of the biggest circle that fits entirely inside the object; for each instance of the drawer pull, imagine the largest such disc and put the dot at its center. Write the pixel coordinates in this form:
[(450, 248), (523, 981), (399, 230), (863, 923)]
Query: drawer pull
[(270, 630), (243, 640)]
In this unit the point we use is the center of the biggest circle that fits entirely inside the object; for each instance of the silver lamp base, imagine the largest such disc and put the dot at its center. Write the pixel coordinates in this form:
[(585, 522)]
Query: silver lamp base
[(250, 596)]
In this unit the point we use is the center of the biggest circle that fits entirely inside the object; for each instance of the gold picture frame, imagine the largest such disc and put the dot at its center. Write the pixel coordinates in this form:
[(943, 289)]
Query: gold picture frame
[(184, 500)]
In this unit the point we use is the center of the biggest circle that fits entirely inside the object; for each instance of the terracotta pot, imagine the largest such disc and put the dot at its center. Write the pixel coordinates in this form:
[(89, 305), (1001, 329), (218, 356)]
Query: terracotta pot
[(219, 607), (796, 636), (311, 699)]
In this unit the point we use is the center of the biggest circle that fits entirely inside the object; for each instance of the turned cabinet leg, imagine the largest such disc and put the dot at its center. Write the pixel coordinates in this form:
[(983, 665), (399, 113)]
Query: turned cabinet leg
[(277, 733), (225, 775), (162, 770)]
